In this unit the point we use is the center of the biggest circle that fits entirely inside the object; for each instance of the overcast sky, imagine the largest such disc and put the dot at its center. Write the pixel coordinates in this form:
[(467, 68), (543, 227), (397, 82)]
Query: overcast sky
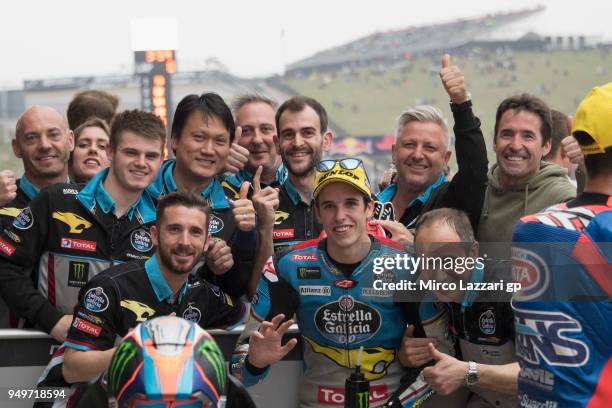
[(46, 39)]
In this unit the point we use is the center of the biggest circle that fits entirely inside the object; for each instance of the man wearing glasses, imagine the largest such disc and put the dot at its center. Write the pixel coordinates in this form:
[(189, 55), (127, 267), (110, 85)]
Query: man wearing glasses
[(329, 284)]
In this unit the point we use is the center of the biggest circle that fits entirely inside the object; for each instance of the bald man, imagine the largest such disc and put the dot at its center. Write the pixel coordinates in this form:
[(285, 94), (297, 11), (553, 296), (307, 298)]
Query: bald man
[(43, 142)]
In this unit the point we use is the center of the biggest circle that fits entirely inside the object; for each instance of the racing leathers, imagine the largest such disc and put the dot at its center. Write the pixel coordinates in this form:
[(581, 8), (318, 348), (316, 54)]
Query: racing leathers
[(336, 315), (221, 227), (563, 312), (67, 235)]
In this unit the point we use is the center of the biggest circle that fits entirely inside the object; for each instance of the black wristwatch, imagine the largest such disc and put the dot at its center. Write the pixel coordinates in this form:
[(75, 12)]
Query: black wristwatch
[(471, 378)]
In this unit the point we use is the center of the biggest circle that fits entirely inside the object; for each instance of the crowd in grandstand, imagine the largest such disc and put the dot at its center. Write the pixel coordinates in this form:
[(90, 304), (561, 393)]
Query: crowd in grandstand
[(250, 223)]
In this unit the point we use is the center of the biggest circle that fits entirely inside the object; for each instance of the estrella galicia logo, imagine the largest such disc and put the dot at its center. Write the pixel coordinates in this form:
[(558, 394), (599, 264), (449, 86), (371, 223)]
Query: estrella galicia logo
[(193, 314), (96, 300), (347, 319), (24, 220), (542, 334), (530, 270), (141, 240), (78, 274), (486, 322), (215, 225)]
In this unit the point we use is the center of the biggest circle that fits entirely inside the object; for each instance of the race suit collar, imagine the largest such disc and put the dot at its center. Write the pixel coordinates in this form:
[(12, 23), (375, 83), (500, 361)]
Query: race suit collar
[(158, 282), (94, 194), (330, 265), (165, 184)]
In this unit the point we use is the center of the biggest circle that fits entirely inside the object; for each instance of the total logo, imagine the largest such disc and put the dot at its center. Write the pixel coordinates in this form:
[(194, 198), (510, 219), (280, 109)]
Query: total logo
[(7, 248), (283, 233), (335, 395), (304, 257), (79, 244), (86, 327)]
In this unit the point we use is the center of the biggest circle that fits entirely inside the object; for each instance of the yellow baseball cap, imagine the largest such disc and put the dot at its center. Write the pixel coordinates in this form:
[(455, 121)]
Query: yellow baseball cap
[(594, 117), (348, 170)]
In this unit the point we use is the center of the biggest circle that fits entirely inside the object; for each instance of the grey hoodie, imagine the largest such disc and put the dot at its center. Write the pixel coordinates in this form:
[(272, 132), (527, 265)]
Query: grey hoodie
[(503, 208)]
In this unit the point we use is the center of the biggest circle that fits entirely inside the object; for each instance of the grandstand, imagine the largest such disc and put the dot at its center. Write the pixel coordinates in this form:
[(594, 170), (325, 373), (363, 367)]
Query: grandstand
[(366, 83), (396, 45)]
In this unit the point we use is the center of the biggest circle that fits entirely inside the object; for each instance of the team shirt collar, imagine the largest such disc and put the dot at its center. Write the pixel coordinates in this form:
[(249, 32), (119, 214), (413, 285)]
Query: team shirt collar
[(213, 192), (388, 193), (158, 282), (94, 194), (476, 276), (293, 193), (30, 189)]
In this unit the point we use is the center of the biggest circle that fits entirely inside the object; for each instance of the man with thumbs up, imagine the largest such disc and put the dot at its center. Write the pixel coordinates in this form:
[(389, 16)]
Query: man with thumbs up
[(469, 349), (256, 146), (203, 130), (421, 151)]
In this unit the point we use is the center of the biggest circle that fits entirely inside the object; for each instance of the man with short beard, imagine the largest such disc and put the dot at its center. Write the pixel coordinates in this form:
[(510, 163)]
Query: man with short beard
[(288, 216), (120, 297), (303, 136)]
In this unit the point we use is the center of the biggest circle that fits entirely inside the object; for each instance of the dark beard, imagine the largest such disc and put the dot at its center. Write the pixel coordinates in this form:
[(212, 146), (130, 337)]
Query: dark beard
[(315, 157), (166, 259)]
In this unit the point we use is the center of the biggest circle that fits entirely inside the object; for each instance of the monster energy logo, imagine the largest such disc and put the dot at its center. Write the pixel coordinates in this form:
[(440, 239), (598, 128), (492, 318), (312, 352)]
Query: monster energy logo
[(78, 274), (213, 354), (363, 399), (126, 351)]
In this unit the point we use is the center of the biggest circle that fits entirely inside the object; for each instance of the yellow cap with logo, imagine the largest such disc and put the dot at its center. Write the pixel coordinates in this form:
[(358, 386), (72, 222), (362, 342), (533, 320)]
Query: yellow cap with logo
[(594, 117), (348, 170)]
